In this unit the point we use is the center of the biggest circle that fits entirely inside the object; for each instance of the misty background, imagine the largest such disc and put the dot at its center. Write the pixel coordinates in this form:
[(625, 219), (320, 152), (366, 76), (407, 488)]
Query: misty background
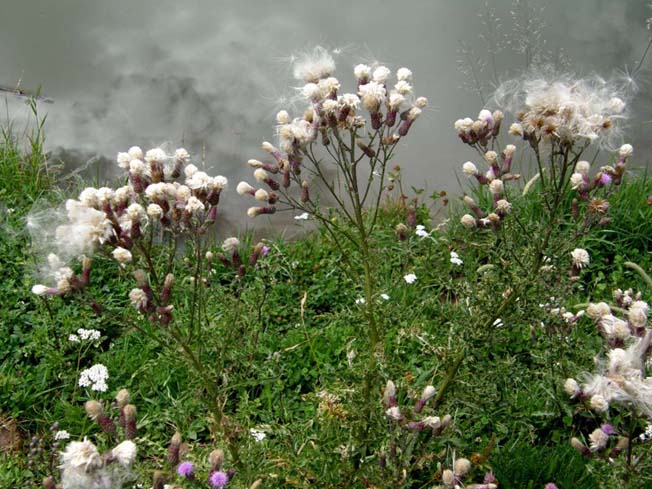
[(210, 75)]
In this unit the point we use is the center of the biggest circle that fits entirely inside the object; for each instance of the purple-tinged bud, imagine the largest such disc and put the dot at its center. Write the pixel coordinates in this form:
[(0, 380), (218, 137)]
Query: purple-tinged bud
[(167, 289), (391, 118), (216, 459), (575, 209), (376, 120), (158, 480), (95, 411), (405, 127), (48, 483), (211, 216), (580, 447), (389, 395), (173, 450), (370, 153), (412, 217), (86, 271), (286, 178), (622, 445), (382, 460), (401, 231), (427, 394), (474, 207), (256, 211), (305, 194), (130, 421), (256, 253)]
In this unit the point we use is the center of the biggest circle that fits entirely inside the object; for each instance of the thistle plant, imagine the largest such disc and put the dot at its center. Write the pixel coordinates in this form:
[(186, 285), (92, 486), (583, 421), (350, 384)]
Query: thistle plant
[(189, 474), (620, 390), (82, 466), (331, 163), (166, 209), (558, 119)]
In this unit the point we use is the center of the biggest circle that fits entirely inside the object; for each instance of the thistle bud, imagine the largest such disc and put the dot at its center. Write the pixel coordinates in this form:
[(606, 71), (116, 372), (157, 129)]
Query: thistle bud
[(167, 289), (370, 153), (95, 411), (216, 459), (255, 254), (130, 421), (159, 480), (580, 447), (389, 395), (401, 231), (86, 271), (305, 194), (48, 483), (122, 398), (462, 467), (427, 394), (448, 478), (257, 483), (173, 450)]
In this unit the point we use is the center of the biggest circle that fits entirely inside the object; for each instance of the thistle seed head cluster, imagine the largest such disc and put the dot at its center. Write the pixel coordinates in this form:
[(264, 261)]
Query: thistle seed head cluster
[(409, 423), (622, 378), (383, 107), (564, 109), (164, 192), (497, 174)]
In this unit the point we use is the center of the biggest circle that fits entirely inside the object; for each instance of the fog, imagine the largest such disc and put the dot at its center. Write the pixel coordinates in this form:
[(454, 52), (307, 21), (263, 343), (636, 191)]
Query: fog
[(210, 75)]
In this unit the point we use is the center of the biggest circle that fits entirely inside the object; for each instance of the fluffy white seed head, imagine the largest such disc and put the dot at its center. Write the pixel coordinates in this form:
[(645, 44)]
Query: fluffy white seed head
[(497, 187), (154, 211), (403, 74), (155, 155), (468, 221), (125, 453), (469, 169), (626, 150), (244, 188), (403, 87), (362, 72), (282, 117), (580, 257), (121, 255), (314, 65), (583, 167), (381, 74), (123, 160)]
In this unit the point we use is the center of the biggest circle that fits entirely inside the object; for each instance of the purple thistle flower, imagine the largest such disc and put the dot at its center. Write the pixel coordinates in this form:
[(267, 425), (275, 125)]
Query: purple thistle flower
[(186, 469), (605, 179), (550, 485), (264, 250), (607, 429), (218, 479)]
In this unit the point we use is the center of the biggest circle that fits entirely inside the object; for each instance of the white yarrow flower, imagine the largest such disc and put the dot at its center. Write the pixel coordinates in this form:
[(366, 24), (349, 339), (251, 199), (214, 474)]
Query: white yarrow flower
[(410, 278)]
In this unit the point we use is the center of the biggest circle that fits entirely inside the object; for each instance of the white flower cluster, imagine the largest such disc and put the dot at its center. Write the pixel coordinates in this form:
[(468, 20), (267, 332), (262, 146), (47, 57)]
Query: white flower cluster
[(623, 379), (85, 335), (553, 107), (392, 111), (94, 377)]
